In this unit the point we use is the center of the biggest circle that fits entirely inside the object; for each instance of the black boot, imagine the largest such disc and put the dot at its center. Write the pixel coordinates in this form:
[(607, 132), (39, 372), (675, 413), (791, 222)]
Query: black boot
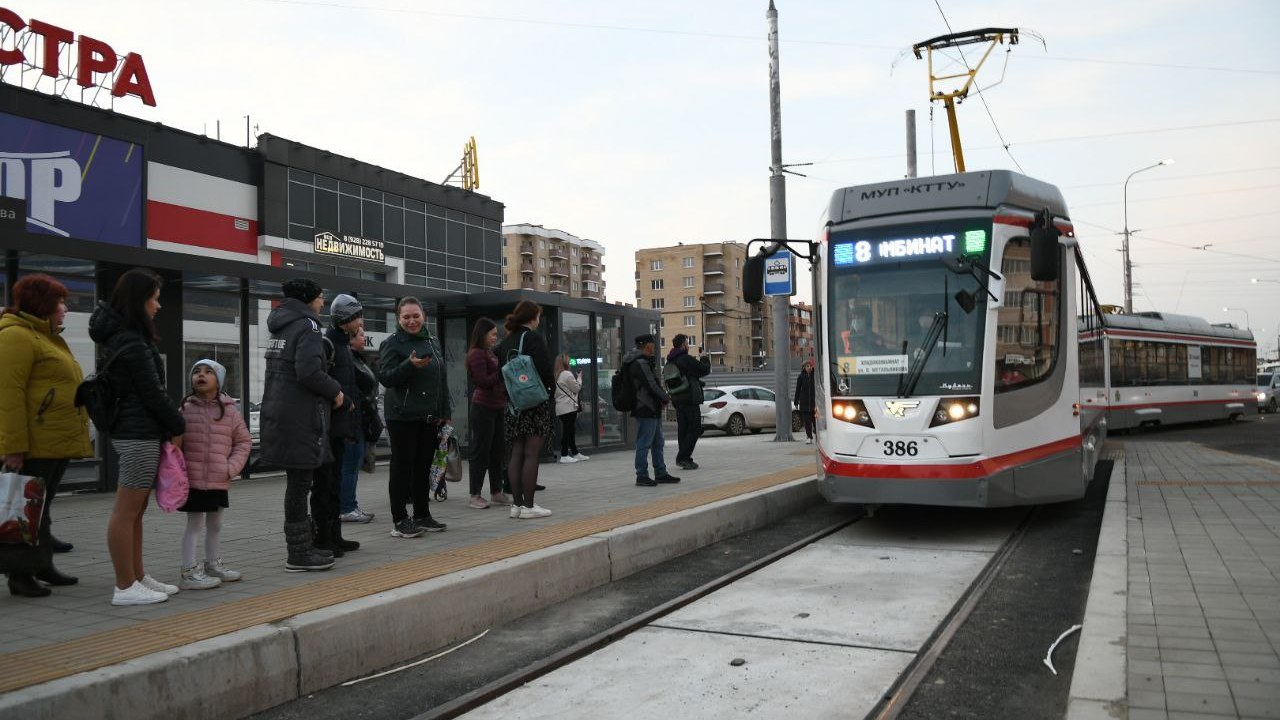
[(53, 577), (23, 585), (323, 535), (302, 554), (60, 546), (337, 542)]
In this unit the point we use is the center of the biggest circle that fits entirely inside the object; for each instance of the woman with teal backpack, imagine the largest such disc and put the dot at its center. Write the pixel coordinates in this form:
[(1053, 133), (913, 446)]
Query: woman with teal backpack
[(412, 368), (526, 429)]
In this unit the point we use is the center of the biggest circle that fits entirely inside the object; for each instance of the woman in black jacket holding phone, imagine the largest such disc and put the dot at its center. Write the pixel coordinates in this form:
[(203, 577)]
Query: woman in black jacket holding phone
[(144, 420), (526, 430)]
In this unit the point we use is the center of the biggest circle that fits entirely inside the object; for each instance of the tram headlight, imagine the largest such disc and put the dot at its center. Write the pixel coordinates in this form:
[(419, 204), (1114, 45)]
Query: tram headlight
[(1262, 397), (954, 410), (851, 411)]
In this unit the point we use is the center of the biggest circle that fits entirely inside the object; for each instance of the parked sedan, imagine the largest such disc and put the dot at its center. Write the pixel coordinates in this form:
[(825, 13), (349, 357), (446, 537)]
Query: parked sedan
[(735, 409)]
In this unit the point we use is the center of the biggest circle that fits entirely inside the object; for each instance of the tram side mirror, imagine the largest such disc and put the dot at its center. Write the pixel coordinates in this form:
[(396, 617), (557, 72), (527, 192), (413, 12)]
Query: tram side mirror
[(753, 279), (1044, 252)]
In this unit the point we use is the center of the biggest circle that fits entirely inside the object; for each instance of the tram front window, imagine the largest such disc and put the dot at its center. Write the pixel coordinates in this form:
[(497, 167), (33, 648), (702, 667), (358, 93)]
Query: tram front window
[(888, 288)]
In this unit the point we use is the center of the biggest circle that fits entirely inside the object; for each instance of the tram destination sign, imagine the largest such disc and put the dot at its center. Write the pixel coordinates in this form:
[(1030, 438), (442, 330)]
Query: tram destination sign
[(350, 246), (857, 253)]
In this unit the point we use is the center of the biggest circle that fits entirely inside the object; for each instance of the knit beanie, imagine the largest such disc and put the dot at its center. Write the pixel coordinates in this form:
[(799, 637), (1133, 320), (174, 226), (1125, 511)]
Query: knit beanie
[(302, 289), (218, 370)]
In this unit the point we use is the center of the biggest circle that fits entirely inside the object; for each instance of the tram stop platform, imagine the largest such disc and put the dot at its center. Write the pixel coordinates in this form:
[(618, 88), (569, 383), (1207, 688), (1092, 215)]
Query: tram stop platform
[(275, 636), (1183, 616)]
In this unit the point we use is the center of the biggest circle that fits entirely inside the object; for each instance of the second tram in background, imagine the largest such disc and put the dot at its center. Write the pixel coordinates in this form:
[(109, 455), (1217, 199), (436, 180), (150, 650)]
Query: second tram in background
[(1164, 369)]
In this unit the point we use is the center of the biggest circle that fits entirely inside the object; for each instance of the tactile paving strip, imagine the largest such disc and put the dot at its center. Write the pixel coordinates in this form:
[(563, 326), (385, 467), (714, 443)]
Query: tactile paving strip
[(58, 660)]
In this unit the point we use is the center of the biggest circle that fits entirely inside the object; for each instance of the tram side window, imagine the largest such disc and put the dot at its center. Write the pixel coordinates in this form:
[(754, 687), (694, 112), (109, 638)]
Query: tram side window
[(1026, 329)]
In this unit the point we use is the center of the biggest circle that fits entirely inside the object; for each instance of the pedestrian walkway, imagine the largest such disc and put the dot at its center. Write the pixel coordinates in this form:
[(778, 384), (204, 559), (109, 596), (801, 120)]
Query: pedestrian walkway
[(1204, 583), (76, 629)]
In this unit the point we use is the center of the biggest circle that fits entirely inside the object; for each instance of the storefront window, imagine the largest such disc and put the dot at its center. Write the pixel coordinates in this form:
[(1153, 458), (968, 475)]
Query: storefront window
[(211, 327), (577, 343), (455, 354), (612, 424)]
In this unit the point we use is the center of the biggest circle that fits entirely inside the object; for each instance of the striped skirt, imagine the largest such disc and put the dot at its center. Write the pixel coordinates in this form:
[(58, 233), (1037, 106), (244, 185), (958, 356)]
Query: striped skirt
[(139, 463)]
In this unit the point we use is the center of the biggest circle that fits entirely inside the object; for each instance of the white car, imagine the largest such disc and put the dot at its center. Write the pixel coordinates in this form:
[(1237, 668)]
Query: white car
[(1268, 389), (735, 409)]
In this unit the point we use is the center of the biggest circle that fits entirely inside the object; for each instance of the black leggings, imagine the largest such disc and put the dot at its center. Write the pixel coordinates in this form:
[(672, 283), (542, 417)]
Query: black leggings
[(569, 434), (487, 448), (522, 470), (808, 424), (297, 488), (413, 447)]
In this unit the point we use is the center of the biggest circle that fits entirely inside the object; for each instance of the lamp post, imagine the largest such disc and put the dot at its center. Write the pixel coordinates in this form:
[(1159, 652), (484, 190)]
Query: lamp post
[(1255, 281), (1128, 267), (1246, 315)]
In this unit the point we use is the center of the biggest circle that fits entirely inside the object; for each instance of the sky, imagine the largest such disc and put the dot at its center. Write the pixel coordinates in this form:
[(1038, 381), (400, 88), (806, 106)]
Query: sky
[(646, 124)]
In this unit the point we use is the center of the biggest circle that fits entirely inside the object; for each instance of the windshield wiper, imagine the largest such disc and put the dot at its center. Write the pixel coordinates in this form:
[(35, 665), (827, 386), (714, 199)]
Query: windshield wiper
[(905, 389), (961, 265)]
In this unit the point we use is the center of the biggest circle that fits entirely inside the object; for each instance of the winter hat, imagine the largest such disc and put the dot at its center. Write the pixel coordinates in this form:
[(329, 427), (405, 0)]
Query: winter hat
[(645, 339), (344, 309), (302, 289), (218, 370)]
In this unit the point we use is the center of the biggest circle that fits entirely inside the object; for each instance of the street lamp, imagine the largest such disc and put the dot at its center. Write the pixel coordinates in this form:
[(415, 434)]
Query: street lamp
[(1246, 314), (1255, 281), (1128, 267)]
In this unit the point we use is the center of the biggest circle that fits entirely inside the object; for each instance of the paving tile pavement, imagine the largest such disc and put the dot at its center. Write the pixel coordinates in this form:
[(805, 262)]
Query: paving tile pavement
[(1204, 583), (253, 537)]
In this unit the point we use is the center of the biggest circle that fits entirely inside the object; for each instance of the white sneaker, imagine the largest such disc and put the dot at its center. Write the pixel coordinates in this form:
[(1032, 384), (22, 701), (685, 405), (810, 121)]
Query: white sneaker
[(808, 441), (581, 458), (151, 583), (215, 569), (566, 459), (534, 512), (193, 578), (515, 511), (137, 594)]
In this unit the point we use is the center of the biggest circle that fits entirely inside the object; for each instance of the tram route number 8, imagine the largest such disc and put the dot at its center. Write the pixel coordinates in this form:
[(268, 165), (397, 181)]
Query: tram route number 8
[(894, 448)]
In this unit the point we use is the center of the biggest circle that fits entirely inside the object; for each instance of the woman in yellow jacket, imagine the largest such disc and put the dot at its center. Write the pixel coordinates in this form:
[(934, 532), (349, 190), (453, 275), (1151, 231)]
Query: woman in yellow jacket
[(40, 426)]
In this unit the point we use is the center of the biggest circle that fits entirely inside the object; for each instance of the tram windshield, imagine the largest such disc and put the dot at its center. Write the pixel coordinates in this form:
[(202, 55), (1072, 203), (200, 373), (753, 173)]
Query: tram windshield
[(888, 288)]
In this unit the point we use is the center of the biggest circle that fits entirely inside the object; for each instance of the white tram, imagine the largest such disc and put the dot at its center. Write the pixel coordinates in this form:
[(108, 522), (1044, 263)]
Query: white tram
[(1164, 369), (951, 372)]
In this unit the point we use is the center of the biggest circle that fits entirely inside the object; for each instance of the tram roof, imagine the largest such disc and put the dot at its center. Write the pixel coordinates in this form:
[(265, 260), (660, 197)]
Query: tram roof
[(987, 189), (1170, 323)]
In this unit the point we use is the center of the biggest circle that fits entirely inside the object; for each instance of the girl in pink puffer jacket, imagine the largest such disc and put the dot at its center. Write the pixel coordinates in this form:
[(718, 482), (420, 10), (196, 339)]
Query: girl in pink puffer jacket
[(216, 446)]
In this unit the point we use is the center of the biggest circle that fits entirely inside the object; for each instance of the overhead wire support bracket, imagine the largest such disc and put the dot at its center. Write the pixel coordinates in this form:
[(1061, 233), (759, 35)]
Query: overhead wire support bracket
[(949, 98)]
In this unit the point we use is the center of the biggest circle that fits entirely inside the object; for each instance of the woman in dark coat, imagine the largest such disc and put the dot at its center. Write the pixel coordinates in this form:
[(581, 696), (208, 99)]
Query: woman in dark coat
[(488, 413), (411, 366), (144, 420), (527, 429), (805, 400)]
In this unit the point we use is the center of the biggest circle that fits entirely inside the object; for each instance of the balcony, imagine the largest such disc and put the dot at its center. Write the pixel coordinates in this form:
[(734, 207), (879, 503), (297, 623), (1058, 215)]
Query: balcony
[(526, 248), (559, 287), (712, 311), (590, 259), (713, 288), (559, 269), (716, 350), (557, 252), (526, 285), (526, 267), (714, 250), (594, 294), (713, 268), (715, 329)]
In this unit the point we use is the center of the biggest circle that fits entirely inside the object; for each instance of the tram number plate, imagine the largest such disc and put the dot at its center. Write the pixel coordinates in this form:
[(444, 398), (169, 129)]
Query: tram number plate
[(902, 447)]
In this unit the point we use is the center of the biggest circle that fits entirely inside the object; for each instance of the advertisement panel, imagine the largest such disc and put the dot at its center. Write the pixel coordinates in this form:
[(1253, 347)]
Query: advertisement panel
[(75, 184)]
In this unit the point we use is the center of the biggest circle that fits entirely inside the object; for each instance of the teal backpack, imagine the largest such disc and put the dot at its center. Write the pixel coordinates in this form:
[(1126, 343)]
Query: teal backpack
[(520, 376)]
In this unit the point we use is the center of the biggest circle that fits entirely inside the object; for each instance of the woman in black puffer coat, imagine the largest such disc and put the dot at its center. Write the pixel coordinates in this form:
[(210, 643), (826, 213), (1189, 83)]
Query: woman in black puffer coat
[(144, 420)]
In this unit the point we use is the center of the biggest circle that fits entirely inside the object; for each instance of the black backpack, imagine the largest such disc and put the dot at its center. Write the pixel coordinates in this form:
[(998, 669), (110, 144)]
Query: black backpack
[(99, 394), (623, 389)]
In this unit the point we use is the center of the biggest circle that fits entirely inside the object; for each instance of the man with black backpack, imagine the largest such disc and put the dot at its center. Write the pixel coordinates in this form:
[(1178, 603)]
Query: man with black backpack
[(640, 367), (682, 377)]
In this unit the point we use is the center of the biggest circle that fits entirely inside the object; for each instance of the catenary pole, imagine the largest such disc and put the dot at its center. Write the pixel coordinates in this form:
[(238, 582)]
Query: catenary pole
[(778, 230), (911, 143)]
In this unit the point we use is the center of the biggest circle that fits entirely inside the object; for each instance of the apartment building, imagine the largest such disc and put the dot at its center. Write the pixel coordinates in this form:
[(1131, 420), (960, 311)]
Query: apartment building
[(698, 289), (800, 330), (549, 260)]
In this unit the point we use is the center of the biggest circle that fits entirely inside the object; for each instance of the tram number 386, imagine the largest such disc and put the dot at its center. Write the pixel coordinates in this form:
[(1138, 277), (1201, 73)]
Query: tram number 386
[(898, 448)]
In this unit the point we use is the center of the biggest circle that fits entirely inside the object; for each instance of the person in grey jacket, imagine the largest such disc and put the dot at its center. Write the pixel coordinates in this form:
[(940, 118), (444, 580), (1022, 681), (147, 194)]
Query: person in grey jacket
[(297, 399), (651, 398)]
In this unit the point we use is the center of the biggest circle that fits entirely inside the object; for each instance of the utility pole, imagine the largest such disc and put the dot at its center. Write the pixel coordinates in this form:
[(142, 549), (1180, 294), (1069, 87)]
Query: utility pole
[(911, 143), (778, 231)]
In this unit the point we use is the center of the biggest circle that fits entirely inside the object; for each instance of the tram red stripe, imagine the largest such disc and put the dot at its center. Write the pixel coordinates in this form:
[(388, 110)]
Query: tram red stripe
[(968, 471), (201, 228), (1126, 333)]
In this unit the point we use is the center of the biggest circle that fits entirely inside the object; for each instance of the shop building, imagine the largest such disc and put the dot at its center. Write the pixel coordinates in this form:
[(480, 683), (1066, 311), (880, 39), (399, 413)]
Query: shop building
[(224, 225)]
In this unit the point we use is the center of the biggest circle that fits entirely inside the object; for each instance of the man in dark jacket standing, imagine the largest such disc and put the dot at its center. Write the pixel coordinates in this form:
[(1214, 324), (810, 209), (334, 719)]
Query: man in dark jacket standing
[(651, 398), (348, 317), (297, 398), (688, 404), (804, 399)]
